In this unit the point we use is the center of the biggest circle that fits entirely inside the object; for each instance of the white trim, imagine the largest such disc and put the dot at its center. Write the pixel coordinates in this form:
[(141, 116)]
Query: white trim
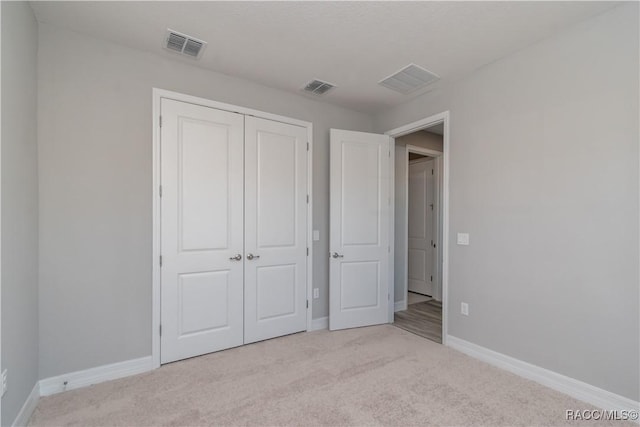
[(157, 95), (419, 125), (162, 93), (156, 241), (22, 419), (320, 323), (400, 305), (391, 288), (438, 294), (310, 226), (1, 209), (426, 151), (443, 118), (95, 375), (572, 387)]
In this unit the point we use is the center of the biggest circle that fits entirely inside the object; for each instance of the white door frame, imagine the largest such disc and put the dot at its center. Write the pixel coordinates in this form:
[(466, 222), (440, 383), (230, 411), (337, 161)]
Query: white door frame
[(438, 196), (157, 96), (405, 130)]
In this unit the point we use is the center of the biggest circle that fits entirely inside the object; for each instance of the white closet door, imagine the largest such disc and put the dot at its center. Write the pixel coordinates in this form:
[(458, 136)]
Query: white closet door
[(275, 229), (202, 230), (421, 253), (359, 235)]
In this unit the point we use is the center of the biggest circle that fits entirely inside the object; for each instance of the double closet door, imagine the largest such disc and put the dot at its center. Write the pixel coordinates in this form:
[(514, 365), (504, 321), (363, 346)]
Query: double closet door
[(233, 229)]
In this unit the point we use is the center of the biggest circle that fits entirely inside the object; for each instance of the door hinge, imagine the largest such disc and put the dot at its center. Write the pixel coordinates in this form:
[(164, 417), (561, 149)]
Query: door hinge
[(307, 251), (431, 171), (160, 330), (432, 278), (160, 191), (307, 303), (307, 146), (389, 153), (160, 121), (307, 198), (160, 260)]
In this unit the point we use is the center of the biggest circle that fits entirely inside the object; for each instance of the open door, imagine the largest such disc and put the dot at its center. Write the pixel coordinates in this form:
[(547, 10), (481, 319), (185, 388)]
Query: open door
[(359, 266)]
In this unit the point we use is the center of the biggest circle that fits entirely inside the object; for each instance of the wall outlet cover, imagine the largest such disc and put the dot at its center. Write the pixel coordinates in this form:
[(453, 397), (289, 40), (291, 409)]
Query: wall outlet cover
[(463, 239), (464, 308)]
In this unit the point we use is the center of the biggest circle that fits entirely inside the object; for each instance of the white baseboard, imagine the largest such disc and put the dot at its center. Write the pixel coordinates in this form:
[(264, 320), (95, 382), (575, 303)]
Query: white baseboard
[(400, 305), (582, 391), (319, 323), (27, 409), (96, 375)]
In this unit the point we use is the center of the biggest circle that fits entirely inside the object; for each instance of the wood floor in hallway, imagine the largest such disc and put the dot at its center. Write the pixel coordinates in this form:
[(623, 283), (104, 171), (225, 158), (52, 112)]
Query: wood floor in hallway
[(423, 318)]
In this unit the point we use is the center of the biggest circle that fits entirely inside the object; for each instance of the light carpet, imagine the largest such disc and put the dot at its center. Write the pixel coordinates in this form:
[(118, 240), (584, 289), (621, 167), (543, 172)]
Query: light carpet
[(379, 375)]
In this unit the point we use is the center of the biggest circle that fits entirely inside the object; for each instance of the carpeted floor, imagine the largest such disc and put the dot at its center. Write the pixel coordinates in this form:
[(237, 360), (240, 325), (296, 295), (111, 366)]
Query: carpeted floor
[(379, 375)]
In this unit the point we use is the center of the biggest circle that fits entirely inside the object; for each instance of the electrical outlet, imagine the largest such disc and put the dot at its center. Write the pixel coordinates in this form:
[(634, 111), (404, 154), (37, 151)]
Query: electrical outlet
[(4, 382), (316, 293), (464, 308)]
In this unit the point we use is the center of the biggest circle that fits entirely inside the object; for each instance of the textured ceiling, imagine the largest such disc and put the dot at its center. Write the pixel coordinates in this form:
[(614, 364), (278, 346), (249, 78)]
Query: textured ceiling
[(350, 44)]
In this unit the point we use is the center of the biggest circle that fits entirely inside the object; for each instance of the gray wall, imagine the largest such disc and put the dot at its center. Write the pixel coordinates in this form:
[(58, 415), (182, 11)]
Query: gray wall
[(95, 188), (544, 177), (19, 206)]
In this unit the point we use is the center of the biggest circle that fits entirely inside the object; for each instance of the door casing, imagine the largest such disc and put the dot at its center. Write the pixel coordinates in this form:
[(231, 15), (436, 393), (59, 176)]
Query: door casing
[(157, 96), (435, 119)]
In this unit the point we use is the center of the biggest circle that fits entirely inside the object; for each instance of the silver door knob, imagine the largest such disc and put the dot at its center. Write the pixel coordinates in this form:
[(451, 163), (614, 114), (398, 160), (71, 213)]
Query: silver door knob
[(236, 258), (252, 256), (337, 255)]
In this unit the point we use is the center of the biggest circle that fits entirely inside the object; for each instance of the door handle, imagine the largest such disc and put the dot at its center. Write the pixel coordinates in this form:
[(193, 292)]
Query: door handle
[(252, 256), (236, 258), (337, 255)]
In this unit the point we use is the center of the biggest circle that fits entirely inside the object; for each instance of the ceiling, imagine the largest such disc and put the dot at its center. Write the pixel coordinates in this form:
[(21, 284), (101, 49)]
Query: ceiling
[(350, 44)]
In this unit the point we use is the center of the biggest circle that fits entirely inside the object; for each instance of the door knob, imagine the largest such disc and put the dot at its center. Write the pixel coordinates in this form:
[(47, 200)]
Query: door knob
[(337, 255), (236, 258), (252, 256)]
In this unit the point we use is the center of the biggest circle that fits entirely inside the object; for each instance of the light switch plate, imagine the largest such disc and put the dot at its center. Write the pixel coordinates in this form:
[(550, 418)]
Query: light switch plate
[(463, 239), (316, 235)]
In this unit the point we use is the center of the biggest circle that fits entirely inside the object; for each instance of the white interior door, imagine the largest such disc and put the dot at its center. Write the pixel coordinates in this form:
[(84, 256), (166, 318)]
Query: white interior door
[(201, 230), (422, 236), (275, 229), (359, 230)]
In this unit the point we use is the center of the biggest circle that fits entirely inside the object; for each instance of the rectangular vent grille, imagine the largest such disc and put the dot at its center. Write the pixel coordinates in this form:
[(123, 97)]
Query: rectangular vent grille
[(318, 87), (408, 79), (184, 44)]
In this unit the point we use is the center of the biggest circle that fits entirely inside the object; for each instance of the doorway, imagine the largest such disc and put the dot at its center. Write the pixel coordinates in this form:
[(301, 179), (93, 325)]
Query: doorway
[(419, 179)]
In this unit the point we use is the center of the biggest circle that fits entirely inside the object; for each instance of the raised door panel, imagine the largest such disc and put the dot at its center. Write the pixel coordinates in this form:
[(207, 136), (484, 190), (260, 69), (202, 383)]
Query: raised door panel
[(420, 227), (275, 229), (359, 236), (201, 230)]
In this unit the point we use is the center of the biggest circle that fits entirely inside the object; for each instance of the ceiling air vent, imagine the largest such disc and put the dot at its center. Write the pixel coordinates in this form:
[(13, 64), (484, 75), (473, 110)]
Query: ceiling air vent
[(410, 78), (184, 44), (318, 87)]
